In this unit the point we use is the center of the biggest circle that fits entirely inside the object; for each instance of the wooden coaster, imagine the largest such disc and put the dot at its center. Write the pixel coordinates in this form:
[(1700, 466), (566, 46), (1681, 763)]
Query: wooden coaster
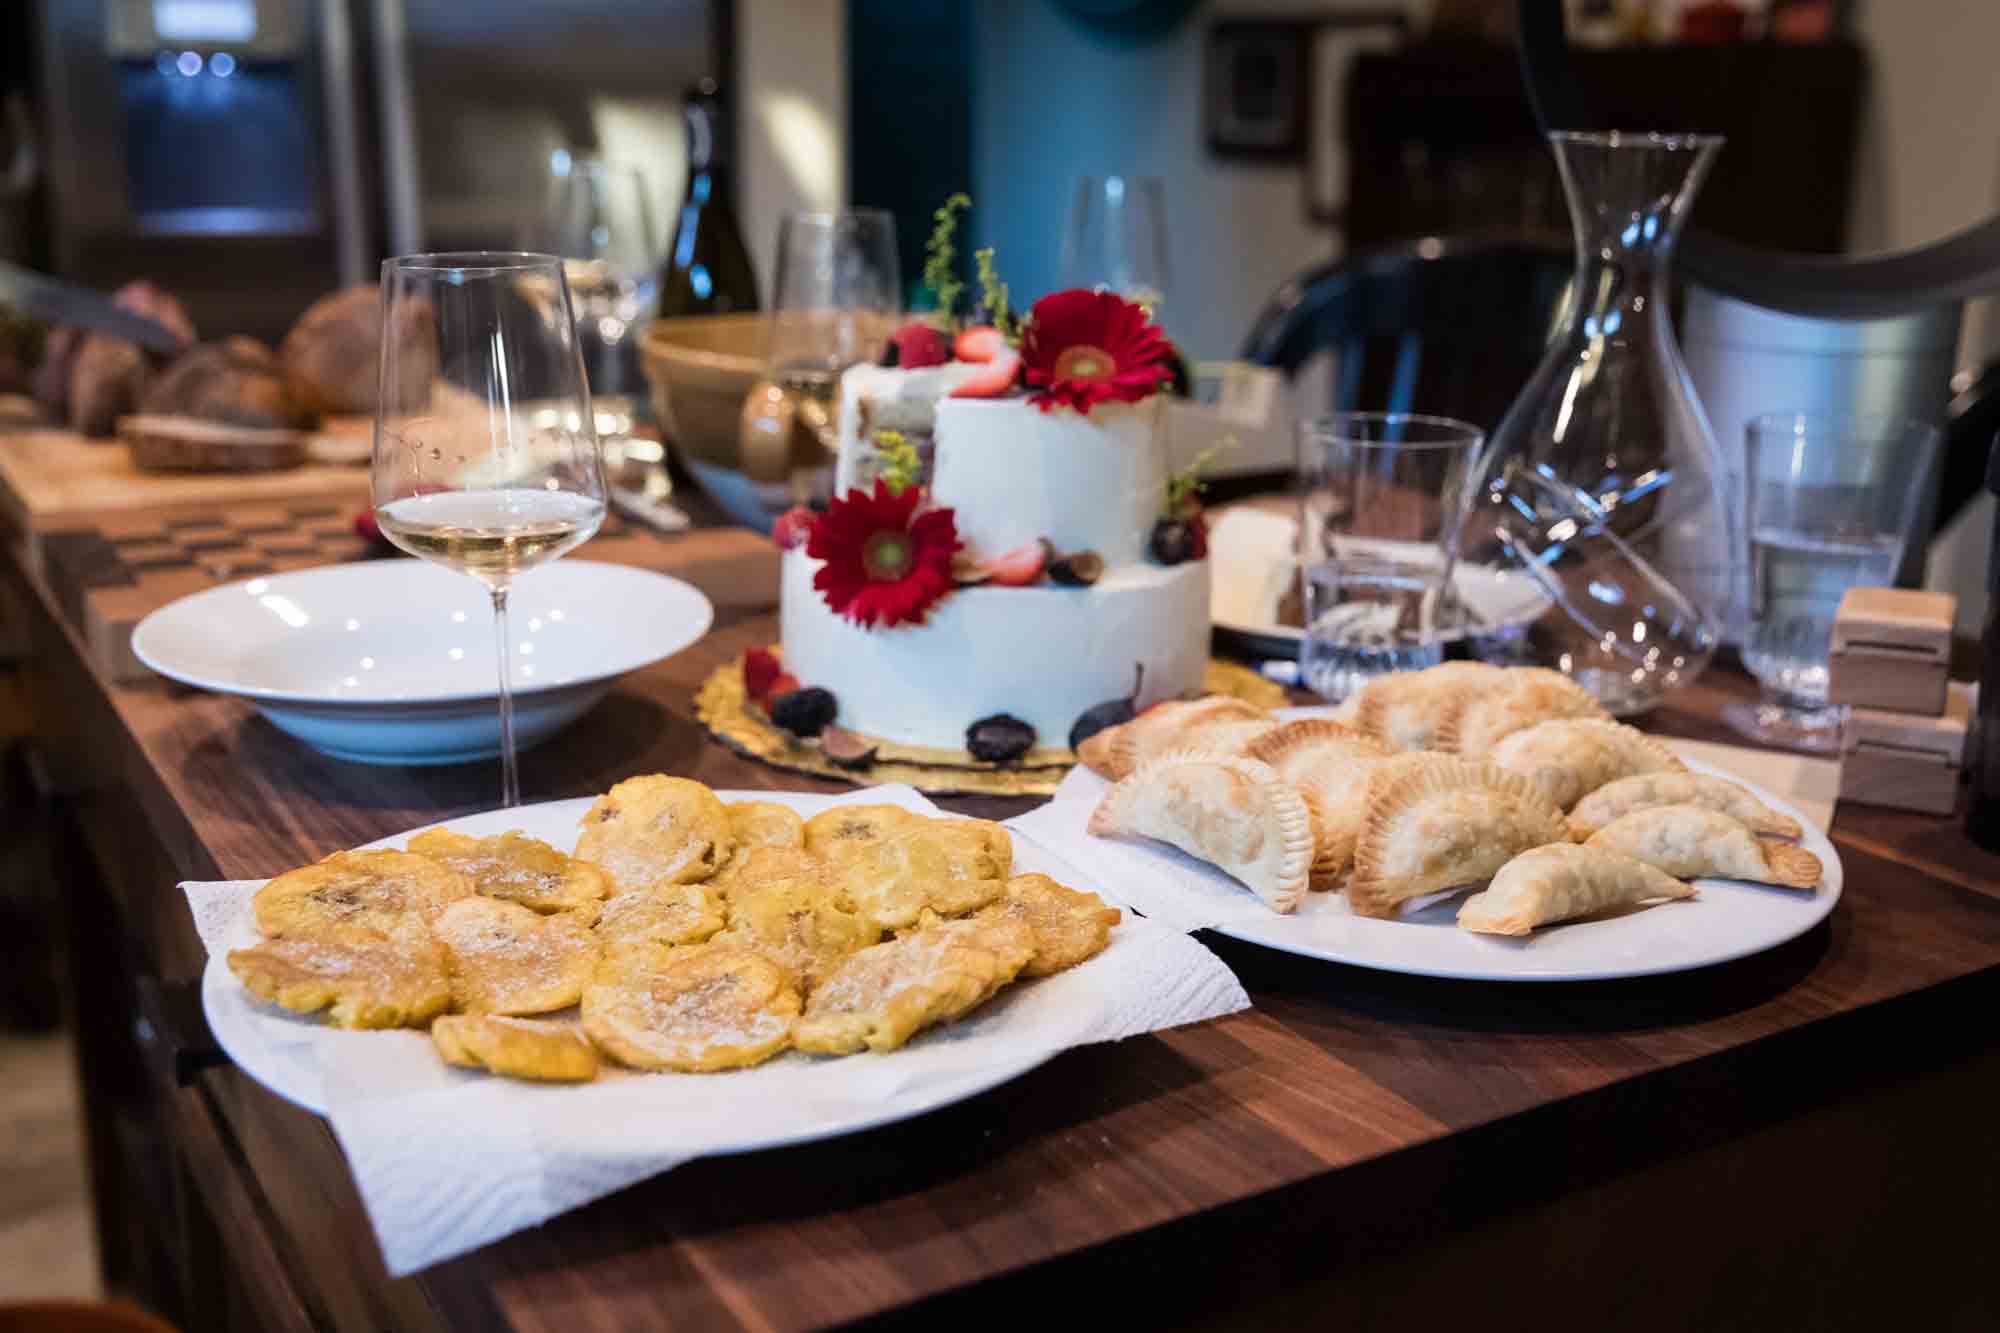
[(732, 719)]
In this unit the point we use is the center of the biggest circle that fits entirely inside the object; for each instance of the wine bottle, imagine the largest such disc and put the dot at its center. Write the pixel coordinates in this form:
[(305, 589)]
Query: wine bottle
[(708, 269)]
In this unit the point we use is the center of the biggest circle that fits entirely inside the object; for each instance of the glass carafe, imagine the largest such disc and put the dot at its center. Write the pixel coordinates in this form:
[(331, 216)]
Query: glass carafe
[(1610, 420)]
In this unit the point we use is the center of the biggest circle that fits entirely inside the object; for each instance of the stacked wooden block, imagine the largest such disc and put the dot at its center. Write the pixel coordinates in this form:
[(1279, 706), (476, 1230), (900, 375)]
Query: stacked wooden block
[(1903, 742)]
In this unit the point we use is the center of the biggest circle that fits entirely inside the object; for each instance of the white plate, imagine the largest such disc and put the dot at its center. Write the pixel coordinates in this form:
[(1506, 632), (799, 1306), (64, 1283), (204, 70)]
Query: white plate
[(1729, 920), (288, 1053), (392, 661)]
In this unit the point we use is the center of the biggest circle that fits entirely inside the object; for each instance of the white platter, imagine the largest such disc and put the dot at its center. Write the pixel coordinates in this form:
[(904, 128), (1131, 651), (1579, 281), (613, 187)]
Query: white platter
[(1728, 921), (392, 661), (291, 1054)]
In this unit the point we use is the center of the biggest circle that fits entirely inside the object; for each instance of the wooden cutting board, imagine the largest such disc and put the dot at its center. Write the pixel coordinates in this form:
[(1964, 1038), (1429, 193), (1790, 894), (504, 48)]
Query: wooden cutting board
[(52, 480)]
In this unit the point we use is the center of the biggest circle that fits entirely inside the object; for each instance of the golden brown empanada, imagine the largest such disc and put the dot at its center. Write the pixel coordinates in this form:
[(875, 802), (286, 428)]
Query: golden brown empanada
[(1569, 758), (1403, 709), (1473, 723), (1690, 841), (1436, 822), (1645, 790), (1560, 882), (1172, 725), (1329, 764), (1237, 814)]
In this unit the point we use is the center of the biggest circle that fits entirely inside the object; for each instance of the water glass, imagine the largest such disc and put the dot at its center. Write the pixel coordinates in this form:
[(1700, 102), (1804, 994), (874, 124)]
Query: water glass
[(1831, 502), (1381, 492)]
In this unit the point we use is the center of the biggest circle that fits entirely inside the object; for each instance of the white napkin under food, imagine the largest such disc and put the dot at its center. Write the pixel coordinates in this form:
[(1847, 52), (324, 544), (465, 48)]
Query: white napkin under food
[(447, 1160)]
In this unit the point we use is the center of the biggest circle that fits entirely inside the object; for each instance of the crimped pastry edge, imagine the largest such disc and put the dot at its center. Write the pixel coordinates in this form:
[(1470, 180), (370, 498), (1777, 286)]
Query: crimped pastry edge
[(1428, 771)]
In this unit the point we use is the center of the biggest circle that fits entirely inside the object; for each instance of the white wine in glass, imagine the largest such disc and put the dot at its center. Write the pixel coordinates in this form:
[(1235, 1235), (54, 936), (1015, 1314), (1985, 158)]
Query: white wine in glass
[(486, 454)]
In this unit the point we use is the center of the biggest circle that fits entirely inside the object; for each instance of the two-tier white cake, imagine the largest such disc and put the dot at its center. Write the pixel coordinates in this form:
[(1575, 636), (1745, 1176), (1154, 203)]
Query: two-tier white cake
[(1013, 475)]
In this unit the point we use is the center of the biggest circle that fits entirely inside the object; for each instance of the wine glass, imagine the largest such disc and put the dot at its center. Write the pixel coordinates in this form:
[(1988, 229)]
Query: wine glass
[(1116, 238), (837, 296), (599, 217), (486, 457)]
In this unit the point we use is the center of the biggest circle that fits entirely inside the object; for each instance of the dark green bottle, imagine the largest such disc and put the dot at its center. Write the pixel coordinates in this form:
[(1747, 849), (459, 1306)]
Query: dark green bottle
[(707, 270)]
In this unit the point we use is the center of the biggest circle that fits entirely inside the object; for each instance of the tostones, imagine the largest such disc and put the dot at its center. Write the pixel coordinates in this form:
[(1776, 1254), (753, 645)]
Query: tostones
[(656, 830), (671, 914), (365, 978), (517, 1047), (834, 832), (948, 866), (698, 1009), (800, 922), (884, 995), (517, 869), (364, 890), (765, 824), (505, 959), (760, 865), (1069, 925)]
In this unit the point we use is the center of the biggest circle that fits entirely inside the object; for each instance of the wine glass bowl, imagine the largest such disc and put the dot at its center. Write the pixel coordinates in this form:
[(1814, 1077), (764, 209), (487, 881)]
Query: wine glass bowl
[(486, 456), (1116, 238)]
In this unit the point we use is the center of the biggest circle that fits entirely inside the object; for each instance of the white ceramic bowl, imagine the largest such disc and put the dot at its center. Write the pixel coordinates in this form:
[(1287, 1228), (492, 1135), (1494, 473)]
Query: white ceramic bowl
[(392, 661)]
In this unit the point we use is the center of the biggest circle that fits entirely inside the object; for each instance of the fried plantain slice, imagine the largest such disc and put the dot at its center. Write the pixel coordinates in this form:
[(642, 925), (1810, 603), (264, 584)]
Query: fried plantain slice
[(363, 977), (697, 1009), (516, 1047), (364, 890), (948, 866), (669, 915), (1069, 924), (656, 830), (505, 959), (884, 995), (517, 869), (765, 824), (833, 833), (800, 921)]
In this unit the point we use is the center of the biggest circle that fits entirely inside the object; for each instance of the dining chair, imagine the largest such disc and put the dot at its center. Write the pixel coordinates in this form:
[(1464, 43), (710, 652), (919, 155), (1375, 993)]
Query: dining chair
[(1450, 326)]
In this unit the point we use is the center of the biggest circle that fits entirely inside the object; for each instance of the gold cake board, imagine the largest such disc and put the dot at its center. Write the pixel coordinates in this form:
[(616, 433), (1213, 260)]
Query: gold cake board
[(726, 711)]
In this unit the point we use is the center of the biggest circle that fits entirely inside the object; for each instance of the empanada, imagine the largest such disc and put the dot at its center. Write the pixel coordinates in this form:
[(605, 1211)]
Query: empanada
[(1690, 841), (1560, 882), (1173, 725), (1569, 758), (1645, 790), (1472, 724), (1403, 709), (1236, 814), (656, 830), (1329, 764), (1437, 822)]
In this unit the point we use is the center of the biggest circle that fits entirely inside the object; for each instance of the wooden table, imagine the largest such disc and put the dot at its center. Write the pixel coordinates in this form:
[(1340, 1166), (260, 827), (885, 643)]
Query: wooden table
[(1797, 1140)]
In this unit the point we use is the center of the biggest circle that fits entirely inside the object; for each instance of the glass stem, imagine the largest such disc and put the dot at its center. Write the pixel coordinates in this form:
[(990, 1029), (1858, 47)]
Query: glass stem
[(510, 773)]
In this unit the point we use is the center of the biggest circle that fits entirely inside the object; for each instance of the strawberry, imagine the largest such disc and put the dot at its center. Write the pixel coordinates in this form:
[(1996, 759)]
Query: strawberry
[(786, 683), (1021, 566), (366, 528), (917, 345), (994, 381), (760, 669), (981, 342), (793, 527)]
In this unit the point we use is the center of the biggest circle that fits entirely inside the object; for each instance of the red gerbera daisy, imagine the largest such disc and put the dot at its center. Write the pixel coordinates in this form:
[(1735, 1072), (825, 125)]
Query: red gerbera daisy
[(886, 561), (1084, 347)]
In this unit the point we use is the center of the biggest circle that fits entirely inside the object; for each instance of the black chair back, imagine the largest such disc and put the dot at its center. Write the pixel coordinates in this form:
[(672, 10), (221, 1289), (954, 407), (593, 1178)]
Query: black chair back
[(1446, 327)]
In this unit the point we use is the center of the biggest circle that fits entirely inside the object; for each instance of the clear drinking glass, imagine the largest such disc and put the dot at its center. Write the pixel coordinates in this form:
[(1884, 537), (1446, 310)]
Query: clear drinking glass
[(1116, 238), (836, 299), (600, 218), (486, 457), (1381, 493), (1831, 503)]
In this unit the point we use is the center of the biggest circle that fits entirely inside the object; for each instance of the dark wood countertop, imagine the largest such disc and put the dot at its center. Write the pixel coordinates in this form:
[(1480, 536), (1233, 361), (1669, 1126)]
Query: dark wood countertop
[(1362, 1148)]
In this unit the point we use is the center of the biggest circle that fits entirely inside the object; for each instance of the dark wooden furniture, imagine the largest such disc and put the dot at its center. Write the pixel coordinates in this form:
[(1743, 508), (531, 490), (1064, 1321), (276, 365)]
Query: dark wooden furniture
[(1449, 326), (1799, 1140), (1441, 140)]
